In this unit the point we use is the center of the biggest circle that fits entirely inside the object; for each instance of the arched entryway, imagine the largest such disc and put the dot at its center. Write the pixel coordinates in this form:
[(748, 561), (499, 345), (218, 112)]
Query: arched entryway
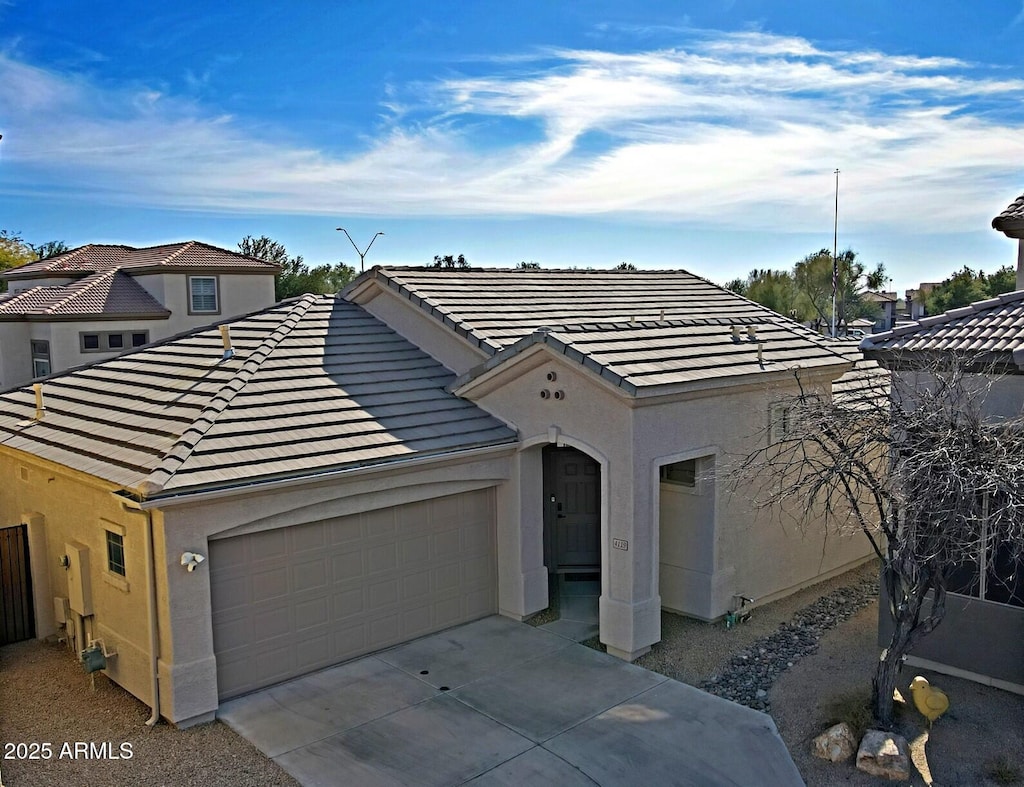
[(572, 530)]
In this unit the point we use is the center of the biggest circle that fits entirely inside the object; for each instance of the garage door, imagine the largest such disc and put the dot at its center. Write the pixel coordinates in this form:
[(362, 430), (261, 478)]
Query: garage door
[(296, 599)]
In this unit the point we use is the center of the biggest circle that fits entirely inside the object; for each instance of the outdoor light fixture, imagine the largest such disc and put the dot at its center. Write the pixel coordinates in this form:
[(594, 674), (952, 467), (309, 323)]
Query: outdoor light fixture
[(191, 559)]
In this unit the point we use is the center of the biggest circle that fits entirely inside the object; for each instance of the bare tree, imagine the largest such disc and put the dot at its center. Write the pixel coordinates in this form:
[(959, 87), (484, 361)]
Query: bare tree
[(910, 460)]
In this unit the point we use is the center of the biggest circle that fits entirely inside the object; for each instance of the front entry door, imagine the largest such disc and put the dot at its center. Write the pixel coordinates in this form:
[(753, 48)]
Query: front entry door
[(575, 508)]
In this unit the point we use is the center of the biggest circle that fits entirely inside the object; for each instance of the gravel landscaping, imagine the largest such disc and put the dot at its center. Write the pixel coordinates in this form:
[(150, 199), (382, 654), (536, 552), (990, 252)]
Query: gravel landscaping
[(45, 697)]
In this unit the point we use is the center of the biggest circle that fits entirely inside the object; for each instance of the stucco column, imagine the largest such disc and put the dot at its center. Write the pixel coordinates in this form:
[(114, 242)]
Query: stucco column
[(188, 667), (522, 575), (630, 605)]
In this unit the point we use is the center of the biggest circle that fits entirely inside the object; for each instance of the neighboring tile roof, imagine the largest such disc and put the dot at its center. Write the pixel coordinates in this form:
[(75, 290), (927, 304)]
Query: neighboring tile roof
[(643, 328), (110, 295), (866, 385), (174, 256), (1011, 221), (990, 330), (316, 384)]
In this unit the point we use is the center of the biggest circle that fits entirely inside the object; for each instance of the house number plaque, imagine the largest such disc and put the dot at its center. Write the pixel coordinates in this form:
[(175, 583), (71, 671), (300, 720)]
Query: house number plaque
[(620, 543)]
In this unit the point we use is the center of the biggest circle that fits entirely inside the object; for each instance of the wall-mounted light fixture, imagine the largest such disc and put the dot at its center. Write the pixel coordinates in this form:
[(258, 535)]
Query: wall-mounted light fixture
[(191, 559)]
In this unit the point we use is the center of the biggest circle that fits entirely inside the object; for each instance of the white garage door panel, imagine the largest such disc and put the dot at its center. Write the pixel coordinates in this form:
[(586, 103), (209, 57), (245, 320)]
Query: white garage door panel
[(292, 600)]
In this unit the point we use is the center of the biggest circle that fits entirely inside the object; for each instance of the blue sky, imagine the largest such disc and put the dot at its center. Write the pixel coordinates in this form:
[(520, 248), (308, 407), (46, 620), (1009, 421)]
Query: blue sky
[(701, 135)]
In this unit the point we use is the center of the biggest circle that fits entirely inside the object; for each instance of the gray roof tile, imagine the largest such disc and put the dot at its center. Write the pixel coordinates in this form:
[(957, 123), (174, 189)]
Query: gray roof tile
[(636, 328), (176, 416)]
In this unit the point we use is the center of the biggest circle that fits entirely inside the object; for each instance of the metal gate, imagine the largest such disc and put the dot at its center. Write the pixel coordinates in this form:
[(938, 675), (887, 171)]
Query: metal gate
[(17, 621)]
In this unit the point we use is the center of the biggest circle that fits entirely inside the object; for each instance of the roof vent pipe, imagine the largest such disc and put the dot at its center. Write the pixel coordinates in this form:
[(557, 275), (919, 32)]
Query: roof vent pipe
[(760, 353), (736, 333), (225, 335), (40, 407), (752, 332)]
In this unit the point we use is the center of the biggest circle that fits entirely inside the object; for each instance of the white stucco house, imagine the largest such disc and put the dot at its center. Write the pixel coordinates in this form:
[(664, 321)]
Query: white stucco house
[(427, 448), (98, 301)]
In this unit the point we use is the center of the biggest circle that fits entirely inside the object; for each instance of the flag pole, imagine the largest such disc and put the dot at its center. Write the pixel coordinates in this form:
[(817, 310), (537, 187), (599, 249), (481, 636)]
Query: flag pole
[(835, 259)]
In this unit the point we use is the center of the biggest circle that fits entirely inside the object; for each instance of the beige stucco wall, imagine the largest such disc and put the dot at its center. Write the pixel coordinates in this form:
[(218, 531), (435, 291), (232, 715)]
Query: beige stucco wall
[(59, 507), (15, 358), (238, 294), (690, 555), (187, 662), (726, 425)]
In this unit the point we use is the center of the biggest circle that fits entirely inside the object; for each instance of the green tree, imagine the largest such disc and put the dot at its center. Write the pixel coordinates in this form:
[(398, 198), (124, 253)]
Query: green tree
[(813, 279), (296, 277), (449, 262), (14, 251), (625, 266), (965, 286), (528, 266), (50, 248), (1003, 280)]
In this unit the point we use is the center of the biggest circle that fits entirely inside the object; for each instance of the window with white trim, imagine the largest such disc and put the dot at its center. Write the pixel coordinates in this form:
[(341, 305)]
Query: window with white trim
[(40, 358), (202, 295), (115, 553)]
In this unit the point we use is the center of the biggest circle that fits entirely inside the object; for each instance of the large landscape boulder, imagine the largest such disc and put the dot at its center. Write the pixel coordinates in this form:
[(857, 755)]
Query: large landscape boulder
[(836, 744), (884, 754)]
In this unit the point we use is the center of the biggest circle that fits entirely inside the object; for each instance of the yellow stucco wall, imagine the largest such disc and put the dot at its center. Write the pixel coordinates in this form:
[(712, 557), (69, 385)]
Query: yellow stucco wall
[(61, 506)]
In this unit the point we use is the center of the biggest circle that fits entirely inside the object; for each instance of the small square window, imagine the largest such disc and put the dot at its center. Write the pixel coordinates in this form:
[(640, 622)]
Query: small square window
[(90, 341), (139, 339), (779, 422), (115, 553), (680, 473), (115, 341), (202, 293)]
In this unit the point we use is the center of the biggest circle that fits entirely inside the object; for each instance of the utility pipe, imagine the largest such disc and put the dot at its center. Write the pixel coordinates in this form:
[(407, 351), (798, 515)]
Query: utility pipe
[(154, 638)]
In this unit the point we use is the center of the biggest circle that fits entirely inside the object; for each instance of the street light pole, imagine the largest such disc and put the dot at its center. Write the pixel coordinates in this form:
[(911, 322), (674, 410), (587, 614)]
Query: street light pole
[(362, 254)]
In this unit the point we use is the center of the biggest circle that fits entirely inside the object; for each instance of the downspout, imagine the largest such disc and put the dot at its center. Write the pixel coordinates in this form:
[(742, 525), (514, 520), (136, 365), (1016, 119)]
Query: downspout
[(154, 638)]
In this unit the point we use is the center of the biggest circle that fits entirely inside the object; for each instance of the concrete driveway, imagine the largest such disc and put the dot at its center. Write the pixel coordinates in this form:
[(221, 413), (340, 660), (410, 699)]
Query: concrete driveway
[(497, 702)]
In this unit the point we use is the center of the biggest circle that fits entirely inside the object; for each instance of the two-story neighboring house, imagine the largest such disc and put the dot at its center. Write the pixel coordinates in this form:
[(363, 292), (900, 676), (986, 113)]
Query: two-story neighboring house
[(97, 301)]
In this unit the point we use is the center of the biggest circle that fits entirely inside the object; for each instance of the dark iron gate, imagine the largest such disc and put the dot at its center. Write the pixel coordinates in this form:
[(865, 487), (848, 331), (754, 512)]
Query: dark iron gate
[(17, 621)]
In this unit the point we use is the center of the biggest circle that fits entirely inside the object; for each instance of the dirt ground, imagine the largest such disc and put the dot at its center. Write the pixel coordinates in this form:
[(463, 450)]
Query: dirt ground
[(46, 697), (982, 725)]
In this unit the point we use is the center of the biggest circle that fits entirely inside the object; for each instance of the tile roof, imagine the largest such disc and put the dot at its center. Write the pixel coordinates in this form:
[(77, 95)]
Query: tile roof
[(173, 256), (991, 330), (1011, 221), (315, 384), (642, 328), (109, 294), (866, 385)]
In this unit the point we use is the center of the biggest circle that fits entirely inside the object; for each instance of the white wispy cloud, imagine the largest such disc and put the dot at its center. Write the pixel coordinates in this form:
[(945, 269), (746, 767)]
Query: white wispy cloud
[(739, 129)]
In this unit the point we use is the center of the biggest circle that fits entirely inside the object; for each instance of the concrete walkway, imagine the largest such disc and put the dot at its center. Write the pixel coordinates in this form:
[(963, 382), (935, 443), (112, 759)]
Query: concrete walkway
[(497, 702)]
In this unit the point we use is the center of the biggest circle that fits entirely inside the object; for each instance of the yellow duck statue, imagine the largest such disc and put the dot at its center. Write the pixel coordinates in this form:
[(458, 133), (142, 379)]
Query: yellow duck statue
[(932, 702)]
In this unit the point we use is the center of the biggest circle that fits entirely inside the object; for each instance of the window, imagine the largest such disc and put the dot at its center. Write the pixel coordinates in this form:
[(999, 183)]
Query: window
[(115, 553), (111, 341), (997, 574), (40, 358), (680, 473), (778, 422), (202, 295)]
